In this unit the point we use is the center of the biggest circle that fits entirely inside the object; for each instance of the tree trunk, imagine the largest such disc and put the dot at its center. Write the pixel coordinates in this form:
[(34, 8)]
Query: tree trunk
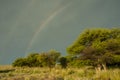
[(104, 66), (98, 68)]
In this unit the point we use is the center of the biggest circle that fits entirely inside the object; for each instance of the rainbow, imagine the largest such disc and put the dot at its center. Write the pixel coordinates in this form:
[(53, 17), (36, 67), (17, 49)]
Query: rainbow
[(44, 24)]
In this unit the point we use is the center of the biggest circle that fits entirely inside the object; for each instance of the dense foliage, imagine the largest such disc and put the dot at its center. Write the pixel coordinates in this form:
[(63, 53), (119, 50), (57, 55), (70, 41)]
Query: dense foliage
[(63, 62), (45, 59), (101, 46)]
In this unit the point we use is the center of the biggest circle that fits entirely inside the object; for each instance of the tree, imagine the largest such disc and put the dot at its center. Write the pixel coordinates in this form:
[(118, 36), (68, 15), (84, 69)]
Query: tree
[(32, 60), (98, 45), (87, 38), (54, 55), (44, 59), (20, 62), (63, 62)]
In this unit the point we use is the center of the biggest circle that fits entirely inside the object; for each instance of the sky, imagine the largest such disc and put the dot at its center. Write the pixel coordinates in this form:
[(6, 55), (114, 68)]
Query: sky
[(28, 26)]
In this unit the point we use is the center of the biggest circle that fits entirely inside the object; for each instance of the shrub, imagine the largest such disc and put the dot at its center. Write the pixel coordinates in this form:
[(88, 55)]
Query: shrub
[(20, 62)]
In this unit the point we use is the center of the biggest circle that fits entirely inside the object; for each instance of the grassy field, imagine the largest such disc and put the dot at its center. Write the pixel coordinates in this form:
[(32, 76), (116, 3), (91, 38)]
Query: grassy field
[(10, 73)]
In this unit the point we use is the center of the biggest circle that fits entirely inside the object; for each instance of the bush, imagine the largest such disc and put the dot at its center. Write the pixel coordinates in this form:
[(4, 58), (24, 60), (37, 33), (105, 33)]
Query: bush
[(20, 62), (45, 59), (63, 62)]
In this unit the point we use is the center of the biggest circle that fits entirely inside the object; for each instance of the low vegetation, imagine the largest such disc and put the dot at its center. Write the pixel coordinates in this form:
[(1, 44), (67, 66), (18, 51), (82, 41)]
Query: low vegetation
[(58, 73), (94, 55)]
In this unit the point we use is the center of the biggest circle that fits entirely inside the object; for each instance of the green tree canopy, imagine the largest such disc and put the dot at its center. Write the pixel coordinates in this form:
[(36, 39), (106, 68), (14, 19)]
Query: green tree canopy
[(20, 62), (99, 45), (44, 59), (63, 62)]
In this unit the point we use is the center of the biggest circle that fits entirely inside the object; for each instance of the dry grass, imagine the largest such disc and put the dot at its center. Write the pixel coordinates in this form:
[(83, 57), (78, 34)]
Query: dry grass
[(57, 74)]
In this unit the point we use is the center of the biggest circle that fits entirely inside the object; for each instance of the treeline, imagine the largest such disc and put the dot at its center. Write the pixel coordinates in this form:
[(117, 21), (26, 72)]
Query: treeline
[(94, 47), (44, 59)]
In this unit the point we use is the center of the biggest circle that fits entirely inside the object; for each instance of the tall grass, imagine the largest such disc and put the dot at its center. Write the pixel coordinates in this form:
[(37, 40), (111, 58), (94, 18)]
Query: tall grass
[(38, 73)]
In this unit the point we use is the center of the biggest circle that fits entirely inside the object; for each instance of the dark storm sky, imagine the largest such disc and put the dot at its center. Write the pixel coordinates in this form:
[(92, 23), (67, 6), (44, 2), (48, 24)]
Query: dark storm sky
[(28, 26)]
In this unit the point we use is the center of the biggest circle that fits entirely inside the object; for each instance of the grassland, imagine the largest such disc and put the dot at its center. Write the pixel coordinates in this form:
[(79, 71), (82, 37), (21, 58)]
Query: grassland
[(37, 73)]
